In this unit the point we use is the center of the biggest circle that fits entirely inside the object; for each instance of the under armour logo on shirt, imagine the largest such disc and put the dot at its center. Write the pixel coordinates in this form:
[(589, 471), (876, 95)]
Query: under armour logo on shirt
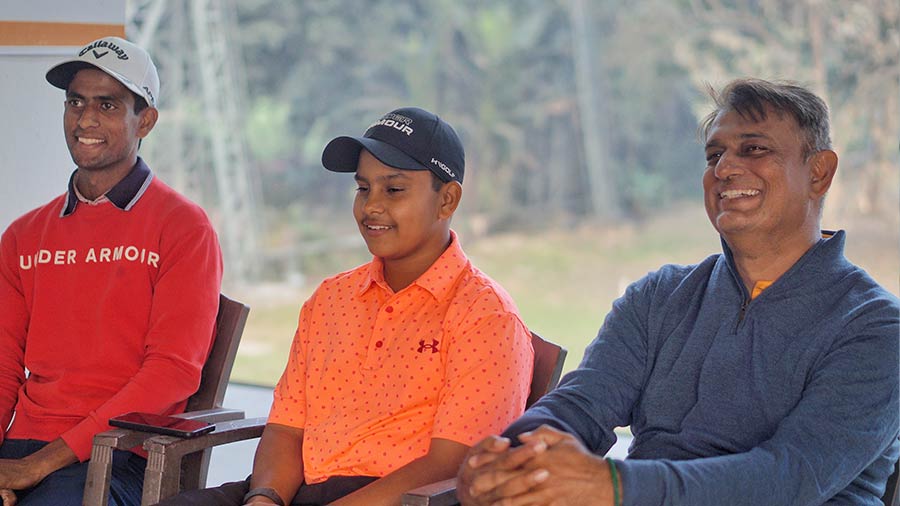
[(433, 346)]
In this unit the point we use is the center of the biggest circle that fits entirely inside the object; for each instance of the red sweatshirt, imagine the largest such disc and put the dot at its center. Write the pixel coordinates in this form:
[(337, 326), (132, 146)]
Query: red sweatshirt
[(110, 308)]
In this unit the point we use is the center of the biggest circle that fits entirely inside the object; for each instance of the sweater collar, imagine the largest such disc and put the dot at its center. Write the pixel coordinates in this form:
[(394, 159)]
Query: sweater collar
[(824, 255), (124, 195)]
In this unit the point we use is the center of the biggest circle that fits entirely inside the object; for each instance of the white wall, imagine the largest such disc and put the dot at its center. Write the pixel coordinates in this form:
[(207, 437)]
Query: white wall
[(82, 11), (34, 162)]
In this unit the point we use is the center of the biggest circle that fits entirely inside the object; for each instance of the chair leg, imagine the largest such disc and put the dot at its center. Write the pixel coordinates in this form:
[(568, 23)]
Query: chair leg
[(162, 478), (96, 489)]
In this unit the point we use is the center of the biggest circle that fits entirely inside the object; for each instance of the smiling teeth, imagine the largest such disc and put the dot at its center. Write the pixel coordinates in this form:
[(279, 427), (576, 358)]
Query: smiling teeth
[(733, 194), (377, 227), (85, 140)]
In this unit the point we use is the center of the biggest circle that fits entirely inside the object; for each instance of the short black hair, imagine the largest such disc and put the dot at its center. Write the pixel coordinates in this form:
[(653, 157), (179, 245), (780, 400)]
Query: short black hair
[(751, 97), (139, 103), (436, 182)]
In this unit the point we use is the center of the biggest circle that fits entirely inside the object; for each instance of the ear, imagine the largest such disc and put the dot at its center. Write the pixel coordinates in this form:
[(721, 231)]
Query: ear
[(148, 118), (823, 166), (450, 195)]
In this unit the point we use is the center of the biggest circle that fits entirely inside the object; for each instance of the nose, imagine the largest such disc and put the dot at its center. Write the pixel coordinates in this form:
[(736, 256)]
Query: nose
[(372, 203), (87, 118), (728, 166)]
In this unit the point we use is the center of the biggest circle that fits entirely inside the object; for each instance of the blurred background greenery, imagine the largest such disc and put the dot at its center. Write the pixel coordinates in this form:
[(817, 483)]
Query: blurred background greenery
[(579, 120)]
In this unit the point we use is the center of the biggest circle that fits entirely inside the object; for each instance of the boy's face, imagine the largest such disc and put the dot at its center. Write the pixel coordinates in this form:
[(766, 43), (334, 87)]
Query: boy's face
[(402, 218)]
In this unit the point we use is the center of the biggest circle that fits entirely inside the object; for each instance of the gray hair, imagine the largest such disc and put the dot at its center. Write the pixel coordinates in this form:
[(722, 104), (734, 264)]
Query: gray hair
[(751, 97)]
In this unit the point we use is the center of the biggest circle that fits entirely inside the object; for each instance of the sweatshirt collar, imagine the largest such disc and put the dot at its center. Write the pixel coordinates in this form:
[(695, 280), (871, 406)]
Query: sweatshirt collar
[(822, 254), (124, 195)]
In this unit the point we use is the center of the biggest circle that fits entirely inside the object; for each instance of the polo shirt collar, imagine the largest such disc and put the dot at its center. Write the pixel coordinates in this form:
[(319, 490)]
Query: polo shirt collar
[(437, 280), (124, 195)]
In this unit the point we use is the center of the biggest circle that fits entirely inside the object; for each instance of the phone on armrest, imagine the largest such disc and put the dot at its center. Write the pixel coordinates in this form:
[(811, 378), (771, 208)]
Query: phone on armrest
[(161, 424)]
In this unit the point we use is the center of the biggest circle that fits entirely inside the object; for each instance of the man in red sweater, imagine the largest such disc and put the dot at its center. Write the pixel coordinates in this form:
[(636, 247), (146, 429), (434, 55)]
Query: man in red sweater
[(108, 293)]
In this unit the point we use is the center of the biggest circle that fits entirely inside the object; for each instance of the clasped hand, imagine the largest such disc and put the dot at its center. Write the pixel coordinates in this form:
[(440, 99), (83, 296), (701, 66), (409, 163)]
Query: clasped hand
[(550, 468), (15, 474), (7, 497), (18, 474)]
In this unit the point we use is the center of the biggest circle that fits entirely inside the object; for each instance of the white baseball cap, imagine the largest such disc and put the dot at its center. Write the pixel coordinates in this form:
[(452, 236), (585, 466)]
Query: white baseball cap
[(126, 62)]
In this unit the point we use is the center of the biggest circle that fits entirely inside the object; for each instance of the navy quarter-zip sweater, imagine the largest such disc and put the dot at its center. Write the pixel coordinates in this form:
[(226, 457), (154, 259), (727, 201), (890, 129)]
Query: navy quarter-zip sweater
[(788, 399)]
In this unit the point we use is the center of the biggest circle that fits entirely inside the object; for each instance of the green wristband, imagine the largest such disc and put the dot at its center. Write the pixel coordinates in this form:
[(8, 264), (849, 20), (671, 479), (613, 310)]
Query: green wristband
[(615, 481)]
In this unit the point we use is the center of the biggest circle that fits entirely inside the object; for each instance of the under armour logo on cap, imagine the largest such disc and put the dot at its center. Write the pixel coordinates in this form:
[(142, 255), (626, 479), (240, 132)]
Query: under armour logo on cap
[(408, 138)]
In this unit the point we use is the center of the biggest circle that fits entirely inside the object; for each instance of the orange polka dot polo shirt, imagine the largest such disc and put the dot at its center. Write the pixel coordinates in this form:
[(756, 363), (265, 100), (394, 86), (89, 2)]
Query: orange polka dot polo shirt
[(374, 375)]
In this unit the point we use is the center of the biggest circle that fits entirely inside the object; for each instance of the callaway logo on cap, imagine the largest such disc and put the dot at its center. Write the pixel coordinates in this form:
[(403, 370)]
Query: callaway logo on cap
[(407, 138), (126, 62)]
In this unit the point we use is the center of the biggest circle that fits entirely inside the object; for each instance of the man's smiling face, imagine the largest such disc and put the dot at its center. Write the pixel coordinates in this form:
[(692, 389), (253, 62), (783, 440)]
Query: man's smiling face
[(102, 130), (757, 177)]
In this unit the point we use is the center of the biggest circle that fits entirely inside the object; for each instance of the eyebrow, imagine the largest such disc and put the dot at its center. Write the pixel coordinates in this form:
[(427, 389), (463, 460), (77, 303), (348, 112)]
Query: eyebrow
[(105, 98), (744, 136), (396, 175)]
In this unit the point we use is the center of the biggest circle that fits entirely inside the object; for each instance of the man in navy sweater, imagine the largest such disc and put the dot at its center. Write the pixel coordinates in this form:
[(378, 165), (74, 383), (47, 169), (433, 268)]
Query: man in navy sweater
[(767, 374)]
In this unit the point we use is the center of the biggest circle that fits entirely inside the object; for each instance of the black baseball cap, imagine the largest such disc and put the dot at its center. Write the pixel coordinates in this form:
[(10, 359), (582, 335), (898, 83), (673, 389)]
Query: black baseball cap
[(408, 138)]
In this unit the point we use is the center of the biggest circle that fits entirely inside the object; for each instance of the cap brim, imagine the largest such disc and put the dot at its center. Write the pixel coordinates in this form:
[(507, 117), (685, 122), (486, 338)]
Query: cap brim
[(61, 76), (342, 154)]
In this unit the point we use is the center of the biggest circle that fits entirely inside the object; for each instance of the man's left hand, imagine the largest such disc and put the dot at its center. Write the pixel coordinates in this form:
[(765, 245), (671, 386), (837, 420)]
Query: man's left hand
[(18, 474), (561, 473)]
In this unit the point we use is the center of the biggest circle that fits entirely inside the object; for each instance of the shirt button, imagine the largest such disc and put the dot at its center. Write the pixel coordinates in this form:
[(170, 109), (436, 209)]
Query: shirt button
[(379, 344), (389, 309)]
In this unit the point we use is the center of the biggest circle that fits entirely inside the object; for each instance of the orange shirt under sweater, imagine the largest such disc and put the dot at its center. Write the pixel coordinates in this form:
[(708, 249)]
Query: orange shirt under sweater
[(373, 375)]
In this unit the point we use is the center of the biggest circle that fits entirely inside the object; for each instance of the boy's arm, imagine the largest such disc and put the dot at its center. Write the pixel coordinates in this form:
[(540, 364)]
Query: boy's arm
[(440, 463), (278, 463)]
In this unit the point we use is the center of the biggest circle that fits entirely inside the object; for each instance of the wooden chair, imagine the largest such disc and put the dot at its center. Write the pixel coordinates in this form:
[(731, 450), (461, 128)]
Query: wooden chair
[(548, 363), (161, 480), (205, 404)]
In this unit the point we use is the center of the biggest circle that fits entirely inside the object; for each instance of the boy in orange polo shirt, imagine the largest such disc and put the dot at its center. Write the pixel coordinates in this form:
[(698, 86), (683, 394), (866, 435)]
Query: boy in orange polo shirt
[(400, 365)]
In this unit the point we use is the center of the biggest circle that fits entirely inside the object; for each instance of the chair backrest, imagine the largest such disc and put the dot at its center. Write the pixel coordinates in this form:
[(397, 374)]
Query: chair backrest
[(892, 489), (548, 363), (230, 321)]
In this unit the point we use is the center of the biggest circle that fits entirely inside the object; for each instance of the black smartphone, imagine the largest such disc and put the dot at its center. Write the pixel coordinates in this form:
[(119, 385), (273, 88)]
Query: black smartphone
[(170, 425)]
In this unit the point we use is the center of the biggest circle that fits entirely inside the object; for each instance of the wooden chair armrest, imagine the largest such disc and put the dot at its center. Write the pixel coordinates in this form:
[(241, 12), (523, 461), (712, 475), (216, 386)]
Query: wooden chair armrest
[(164, 454), (441, 493), (224, 433), (100, 466), (125, 439)]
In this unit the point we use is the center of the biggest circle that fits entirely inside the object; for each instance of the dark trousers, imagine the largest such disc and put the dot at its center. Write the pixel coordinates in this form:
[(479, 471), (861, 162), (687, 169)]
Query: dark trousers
[(65, 487), (232, 494)]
